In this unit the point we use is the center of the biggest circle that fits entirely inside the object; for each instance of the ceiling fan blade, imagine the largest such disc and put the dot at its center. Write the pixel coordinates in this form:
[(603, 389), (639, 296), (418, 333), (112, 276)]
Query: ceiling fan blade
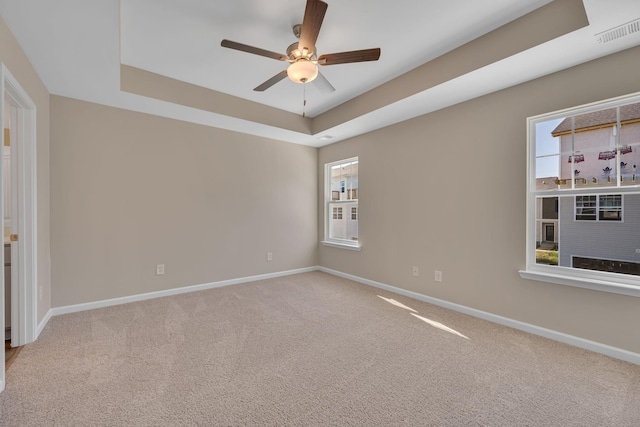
[(273, 80), (351, 56), (250, 49), (323, 84), (311, 23)]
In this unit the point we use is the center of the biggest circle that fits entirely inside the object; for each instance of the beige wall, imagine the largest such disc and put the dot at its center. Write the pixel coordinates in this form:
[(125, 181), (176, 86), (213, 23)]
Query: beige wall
[(446, 191), (131, 190), (12, 56)]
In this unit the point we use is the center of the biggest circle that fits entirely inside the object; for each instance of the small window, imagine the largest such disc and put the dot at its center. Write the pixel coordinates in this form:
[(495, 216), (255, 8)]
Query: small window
[(337, 212), (610, 208), (586, 208), (341, 189)]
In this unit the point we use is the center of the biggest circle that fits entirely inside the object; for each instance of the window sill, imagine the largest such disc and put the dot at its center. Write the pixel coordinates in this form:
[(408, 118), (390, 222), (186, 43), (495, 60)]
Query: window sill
[(350, 246), (581, 282)]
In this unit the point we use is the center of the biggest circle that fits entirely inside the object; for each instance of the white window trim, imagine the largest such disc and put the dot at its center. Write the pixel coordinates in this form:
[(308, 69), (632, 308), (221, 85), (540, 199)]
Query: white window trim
[(354, 245), (587, 279), (592, 282), (346, 244)]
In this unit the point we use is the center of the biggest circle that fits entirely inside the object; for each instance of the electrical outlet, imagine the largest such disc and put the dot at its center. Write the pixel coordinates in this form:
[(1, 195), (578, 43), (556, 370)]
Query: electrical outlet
[(437, 276), (638, 251), (159, 269), (415, 271), (269, 256)]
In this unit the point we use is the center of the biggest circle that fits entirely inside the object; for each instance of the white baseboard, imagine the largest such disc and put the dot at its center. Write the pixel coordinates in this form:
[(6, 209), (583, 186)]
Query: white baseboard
[(597, 347), (174, 291), (43, 323), (516, 324)]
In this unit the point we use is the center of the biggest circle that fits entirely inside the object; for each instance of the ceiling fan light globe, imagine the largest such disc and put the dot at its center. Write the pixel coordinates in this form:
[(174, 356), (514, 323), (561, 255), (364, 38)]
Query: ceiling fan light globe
[(302, 71)]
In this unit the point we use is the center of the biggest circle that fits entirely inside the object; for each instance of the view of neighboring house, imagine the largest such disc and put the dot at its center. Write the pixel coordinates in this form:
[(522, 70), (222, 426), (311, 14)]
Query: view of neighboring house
[(547, 215), (344, 221), (598, 231), (595, 139)]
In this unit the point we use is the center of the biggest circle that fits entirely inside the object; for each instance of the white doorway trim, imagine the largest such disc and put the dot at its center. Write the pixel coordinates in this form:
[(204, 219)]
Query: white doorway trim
[(24, 293)]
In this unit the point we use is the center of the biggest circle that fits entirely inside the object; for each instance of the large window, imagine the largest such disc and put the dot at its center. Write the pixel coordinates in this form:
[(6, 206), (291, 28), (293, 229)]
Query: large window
[(584, 161), (341, 200)]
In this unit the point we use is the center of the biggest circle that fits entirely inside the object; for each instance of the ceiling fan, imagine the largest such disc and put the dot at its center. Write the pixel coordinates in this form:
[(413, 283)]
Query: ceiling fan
[(302, 55)]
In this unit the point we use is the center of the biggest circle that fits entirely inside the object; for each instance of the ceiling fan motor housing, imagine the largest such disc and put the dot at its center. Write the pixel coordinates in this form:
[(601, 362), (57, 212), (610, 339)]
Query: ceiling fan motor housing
[(294, 53), (303, 68)]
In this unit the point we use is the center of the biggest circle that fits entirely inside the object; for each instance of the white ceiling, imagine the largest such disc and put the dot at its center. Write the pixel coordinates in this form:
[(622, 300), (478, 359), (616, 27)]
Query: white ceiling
[(190, 51), (77, 46)]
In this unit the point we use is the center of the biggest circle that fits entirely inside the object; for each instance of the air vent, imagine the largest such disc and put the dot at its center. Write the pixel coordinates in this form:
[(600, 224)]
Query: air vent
[(619, 31)]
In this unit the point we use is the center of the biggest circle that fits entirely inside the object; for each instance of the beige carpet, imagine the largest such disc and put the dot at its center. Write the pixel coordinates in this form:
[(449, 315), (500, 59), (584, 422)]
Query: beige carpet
[(310, 349), (10, 354)]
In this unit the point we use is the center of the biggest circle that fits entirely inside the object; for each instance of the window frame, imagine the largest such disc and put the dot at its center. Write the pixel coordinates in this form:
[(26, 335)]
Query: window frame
[(590, 279), (329, 200)]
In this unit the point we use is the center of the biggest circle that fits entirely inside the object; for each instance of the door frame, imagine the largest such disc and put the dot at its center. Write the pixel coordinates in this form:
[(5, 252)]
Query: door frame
[(24, 293)]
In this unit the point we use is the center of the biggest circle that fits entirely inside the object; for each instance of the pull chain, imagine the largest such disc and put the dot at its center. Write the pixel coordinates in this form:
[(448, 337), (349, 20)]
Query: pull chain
[(304, 99)]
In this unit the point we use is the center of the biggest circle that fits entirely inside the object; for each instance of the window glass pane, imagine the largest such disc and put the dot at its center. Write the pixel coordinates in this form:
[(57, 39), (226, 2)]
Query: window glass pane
[(344, 181), (547, 173), (597, 227), (630, 165), (595, 168), (547, 230), (596, 134), (342, 224), (548, 157), (588, 143), (630, 144), (546, 144), (569, 159), (336, 180), (610, 236)]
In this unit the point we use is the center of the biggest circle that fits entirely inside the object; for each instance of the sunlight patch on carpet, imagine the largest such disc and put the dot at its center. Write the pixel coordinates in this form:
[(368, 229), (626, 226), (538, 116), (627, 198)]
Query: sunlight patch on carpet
[(440, 326), (397, 304)]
